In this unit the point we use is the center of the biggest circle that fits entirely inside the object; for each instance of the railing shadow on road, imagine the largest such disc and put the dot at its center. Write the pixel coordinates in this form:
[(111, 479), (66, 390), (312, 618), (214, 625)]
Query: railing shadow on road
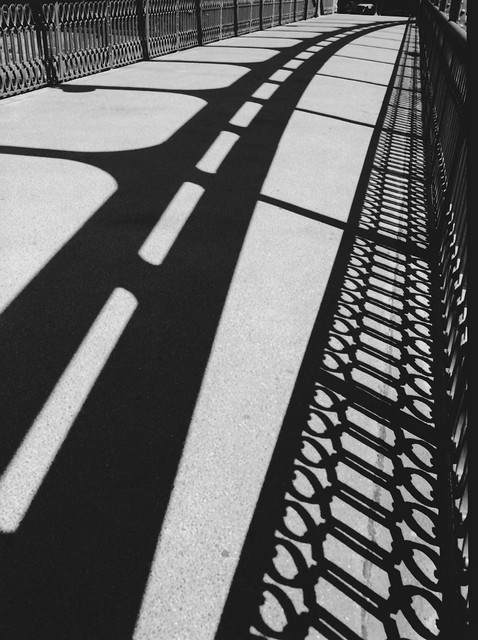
[(348, 539), (81, 555)]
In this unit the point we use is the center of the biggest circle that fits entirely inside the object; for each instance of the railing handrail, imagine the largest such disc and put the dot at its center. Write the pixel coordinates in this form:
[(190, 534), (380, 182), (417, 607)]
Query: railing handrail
[(455, 31)]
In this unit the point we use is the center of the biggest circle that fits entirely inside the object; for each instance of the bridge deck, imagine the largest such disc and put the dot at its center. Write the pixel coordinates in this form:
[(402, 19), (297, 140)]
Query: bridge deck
[(217, 345)]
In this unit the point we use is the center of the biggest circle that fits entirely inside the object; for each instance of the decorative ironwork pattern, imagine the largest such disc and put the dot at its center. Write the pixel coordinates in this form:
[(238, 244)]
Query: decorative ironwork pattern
[(270, 13), (60, 41), (79, 37), (311, 8), (163, 26), (22, 50), (228, 19), (255, 16), (354, 545), (188, 35), (287, 11), (126, 45), (276, 15), (299, 8), (244, 16), (211, 20), (444, 71)]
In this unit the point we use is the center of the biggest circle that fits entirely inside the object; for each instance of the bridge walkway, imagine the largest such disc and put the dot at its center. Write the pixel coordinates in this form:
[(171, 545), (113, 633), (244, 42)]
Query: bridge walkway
[(217, 345)]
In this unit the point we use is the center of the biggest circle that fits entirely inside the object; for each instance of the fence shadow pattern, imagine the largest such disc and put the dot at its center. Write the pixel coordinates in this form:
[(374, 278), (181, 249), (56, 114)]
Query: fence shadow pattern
[(444, 71), (346, 538), (42, 44)]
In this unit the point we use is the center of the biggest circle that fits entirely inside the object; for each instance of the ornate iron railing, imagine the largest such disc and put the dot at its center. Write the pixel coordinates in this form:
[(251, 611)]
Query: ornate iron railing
[(270, 13), (444, 71), (299, 8), (48, 43), (22, 50), (287, 14), (211, 20), (455, 10), (310, 9)]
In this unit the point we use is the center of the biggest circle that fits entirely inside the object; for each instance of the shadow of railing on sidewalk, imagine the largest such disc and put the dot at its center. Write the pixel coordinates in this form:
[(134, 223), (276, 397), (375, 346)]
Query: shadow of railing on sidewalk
[(83, 550), (346, 538)]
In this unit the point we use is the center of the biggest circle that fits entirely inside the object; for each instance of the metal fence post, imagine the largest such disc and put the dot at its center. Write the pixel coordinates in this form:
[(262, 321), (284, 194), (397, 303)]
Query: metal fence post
[(221, 6), (199, 21), (142, 9), (60, 72), (43, 39), (146, 25), (235, 17), (109, 34)]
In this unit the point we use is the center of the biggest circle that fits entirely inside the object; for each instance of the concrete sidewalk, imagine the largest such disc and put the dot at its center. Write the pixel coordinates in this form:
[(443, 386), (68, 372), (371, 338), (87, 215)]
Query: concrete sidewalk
[(168, 232)]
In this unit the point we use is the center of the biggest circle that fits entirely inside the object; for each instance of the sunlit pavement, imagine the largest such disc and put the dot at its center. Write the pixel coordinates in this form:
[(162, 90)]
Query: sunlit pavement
[(168, 232)]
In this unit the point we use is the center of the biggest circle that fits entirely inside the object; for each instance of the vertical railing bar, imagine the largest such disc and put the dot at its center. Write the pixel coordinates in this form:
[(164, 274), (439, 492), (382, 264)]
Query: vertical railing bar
[(5, 36), (108, 34), (147, 29), (59, 45), (142, 10), (199, 22), (235, 17)]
